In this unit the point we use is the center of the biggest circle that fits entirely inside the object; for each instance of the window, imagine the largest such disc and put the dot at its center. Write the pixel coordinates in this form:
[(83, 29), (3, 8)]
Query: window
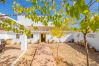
[(17, 36)]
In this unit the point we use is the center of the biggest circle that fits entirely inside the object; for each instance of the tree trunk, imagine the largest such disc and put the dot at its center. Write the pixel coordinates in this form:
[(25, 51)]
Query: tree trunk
[(57, 49), (86, 49)]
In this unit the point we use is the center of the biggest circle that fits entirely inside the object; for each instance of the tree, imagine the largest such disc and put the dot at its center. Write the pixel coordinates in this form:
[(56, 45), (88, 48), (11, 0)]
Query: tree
[(78, 10), (8, 24), (58, 33), (87, 23)]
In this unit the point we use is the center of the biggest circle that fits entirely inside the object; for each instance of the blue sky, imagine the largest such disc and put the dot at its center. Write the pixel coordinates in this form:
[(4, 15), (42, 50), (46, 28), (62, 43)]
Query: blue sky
[(7, 7)]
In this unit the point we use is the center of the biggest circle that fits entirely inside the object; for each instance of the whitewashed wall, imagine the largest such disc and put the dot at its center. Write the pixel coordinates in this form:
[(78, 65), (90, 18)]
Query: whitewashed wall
[(48, 36), (35, 39), (4, 36), (96, 41), (9, 36), (92, 41), (76, 38), (65, 38), (23, 40), (22, 20), (13, 37)]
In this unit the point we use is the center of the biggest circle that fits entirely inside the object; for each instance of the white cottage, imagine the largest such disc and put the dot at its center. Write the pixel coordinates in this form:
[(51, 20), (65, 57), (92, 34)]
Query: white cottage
[(42, 34)]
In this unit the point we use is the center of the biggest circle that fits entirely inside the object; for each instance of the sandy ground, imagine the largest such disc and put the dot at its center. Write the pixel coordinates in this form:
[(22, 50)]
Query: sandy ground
[(74, 55), (26, 59), (70, 54), (43, 57), (9, 55)]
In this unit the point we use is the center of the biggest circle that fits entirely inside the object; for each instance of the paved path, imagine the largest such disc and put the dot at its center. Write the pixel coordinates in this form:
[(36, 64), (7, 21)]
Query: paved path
[(43, 57)]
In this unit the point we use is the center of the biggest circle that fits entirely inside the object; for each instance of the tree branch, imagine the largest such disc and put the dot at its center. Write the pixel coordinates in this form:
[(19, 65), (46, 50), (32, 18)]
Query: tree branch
[(91, 3)]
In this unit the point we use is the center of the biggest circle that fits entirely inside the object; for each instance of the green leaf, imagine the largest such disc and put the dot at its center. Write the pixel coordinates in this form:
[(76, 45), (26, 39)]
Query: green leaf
[(97, 0), (27, 0), (86, 11), (67, 7)]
